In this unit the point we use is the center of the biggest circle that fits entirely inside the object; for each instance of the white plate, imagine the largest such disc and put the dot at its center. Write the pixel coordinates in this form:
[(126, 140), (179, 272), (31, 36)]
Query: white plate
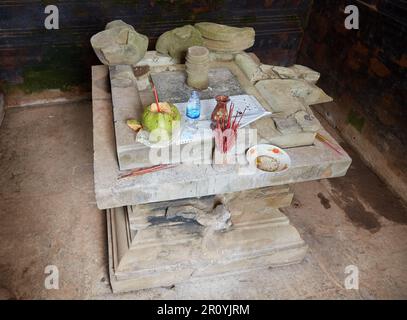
[(283, 159)]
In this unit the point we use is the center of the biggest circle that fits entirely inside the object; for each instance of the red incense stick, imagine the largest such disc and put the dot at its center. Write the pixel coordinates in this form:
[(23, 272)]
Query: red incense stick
[(324, 140), (141, 171), (234, 121), (230, 114), (156, 98), (241, 117)]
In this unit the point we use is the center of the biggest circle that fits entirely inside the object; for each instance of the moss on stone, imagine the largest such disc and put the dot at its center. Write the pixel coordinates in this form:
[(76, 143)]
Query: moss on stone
[(356, 120), (60, 68)]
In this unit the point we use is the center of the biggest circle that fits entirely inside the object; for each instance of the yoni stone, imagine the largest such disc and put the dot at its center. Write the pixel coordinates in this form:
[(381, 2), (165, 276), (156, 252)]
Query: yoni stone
[(176, 42), (222, 38), (119, 43), (221, 32)]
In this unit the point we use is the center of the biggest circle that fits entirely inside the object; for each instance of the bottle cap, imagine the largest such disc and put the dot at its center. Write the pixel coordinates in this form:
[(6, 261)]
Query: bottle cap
[(195, 94)]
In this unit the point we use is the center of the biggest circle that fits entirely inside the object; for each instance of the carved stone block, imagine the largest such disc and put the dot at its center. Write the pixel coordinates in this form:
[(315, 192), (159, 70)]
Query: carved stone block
[(167, 243)]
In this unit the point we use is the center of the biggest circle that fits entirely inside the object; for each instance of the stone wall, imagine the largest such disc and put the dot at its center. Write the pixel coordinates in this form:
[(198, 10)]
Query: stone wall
[(365, 71), (35, 58), (2, 112)]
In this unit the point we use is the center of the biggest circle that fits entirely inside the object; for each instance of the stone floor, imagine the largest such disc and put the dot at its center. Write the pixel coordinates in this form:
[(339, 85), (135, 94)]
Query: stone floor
[(48, 216)]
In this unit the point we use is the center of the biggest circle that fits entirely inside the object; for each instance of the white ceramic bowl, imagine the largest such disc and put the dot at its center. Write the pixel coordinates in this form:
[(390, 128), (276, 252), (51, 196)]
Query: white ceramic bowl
[(283, 159)]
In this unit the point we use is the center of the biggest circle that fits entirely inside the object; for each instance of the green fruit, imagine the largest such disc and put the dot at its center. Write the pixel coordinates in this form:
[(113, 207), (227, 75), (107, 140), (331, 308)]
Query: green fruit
[(161, 124)]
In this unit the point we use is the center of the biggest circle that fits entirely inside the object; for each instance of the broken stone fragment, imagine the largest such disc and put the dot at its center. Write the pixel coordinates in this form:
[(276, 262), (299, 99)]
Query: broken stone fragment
[(176, 42), (231, 46), (289, 95), (309, 92), (268, 70), (291, 98), (254, 71), (301, 121), (306, 73), (118, 24), (247, 65), (155, 59), (287, 125), (119, 44), (221, 32), (221, 56), (222, 38), (297, 72), (307, 121), (284, 72), (278, 96)]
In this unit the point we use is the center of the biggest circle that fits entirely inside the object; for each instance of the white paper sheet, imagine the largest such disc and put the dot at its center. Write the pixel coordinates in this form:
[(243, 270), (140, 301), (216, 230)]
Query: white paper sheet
[(253, 112)]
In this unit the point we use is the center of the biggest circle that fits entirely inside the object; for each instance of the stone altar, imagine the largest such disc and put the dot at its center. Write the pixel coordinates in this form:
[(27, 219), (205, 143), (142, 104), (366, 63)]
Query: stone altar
[(148, 247), (288, 96)]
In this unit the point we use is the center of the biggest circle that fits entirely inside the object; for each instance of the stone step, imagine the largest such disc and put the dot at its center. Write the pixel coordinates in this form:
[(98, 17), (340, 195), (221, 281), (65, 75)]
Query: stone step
[(167, 251)]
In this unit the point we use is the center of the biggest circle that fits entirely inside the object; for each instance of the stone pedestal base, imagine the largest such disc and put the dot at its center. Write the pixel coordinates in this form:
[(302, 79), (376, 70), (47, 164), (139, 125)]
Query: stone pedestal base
[(166, 243)]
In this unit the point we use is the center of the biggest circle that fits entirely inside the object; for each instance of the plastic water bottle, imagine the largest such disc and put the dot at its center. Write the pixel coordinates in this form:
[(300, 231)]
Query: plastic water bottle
[(194, 106)]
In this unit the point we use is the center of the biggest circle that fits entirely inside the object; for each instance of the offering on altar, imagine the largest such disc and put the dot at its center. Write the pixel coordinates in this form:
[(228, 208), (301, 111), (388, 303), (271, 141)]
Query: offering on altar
[(226, 124)]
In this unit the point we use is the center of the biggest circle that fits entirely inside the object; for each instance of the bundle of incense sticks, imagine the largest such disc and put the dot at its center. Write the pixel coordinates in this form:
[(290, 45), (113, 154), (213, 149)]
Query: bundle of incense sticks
[(141, 171), (226, 129), (325, 141)]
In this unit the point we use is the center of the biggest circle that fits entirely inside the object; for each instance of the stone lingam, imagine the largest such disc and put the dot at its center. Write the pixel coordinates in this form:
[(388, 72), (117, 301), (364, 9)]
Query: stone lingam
[(197, 67), (119, 44)]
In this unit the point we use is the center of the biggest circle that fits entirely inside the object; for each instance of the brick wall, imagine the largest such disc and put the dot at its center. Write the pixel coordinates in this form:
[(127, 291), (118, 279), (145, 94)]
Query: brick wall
[(36, 58), (365, 71)]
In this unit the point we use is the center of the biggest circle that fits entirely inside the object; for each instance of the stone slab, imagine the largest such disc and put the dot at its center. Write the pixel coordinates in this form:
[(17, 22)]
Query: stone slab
[(128, 103), (291, 95), (131, 91), (148, 248), (153, 58), (172, 87), (101, 84), (312, 162)]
